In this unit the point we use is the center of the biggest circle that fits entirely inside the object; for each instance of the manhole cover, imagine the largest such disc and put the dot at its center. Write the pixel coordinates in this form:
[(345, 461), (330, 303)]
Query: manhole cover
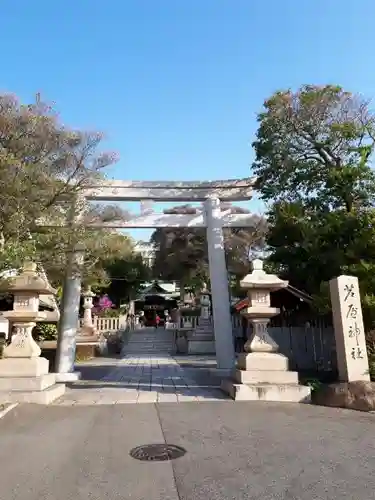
[(157, 452)]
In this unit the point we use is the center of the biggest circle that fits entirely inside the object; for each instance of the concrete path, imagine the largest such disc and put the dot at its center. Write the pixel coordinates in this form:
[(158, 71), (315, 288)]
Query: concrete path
[(239, 451), (143, 379)]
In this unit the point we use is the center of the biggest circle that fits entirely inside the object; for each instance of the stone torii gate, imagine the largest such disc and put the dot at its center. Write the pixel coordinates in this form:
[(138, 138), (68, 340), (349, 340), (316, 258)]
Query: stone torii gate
[(210, 216)]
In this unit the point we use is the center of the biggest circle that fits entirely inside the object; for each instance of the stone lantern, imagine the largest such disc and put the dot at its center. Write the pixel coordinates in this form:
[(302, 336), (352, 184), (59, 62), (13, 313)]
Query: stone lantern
[(88, 328), (259, 284), (202, 339), (205, 302), (23, 373), (26, 289), (262, 372)]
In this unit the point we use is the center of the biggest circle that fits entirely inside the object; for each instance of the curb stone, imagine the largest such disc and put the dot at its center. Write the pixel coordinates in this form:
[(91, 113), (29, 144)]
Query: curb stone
[(7, 409)]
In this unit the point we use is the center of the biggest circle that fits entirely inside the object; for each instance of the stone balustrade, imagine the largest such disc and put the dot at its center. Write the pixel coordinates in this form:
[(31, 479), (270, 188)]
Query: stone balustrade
[(103, 325), (188, 322)]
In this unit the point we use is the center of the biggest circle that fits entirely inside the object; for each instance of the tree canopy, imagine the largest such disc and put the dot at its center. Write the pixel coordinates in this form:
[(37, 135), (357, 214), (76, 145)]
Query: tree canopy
[(313, 166), (313, 145), (43, 167)]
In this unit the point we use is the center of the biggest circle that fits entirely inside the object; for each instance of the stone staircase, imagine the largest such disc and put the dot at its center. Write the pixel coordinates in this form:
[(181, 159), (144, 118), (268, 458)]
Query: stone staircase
[(150, 341)]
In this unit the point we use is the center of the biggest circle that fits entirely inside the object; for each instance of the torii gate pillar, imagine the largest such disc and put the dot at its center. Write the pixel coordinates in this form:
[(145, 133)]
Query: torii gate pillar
[(225, 355)]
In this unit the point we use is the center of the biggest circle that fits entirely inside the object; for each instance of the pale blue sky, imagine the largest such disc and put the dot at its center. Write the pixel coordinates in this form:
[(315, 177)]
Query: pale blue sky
[(176, 84)]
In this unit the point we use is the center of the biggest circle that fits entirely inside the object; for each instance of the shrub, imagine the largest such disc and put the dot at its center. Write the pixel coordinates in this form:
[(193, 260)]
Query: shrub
[(85, 352), (2, 343), (314, 384), (45, 331), (110, 313), (370, 341), (115, 342)]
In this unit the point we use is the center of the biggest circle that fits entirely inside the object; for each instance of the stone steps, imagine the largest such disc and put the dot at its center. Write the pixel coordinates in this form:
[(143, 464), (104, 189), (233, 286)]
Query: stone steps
[(152, 348), (149, 347), (151, 341), (145, 344)]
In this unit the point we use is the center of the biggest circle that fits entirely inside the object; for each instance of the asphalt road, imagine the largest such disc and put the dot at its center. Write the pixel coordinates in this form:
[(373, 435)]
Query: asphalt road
[(233, 451)]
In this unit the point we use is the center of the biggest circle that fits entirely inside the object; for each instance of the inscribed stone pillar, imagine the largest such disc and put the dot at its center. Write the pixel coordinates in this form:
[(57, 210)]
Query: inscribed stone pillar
[(225, 356), (352, 360), (205, 301)]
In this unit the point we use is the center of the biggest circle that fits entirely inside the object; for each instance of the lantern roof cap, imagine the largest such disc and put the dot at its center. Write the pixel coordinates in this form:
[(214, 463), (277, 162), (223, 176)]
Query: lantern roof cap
[(30, 281), (258, 278)]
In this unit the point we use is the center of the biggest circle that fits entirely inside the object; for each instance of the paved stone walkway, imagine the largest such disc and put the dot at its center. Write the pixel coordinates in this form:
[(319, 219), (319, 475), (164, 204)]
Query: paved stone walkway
[(144, 379)]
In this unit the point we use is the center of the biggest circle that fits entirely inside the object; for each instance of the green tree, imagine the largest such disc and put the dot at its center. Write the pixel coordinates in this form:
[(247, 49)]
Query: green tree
[(181, 253), (43, 167), (313, 146), (126, 276), (313, 151)]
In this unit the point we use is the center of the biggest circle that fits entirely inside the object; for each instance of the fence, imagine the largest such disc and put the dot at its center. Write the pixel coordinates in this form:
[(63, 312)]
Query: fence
[(188, 321), (308, 348)]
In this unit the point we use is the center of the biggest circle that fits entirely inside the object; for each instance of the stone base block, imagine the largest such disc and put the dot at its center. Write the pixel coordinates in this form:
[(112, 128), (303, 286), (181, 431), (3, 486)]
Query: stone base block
[(291, 393), (38, 397), (262, 361), (201, 347), (265, 377), (27, 383), (67, 377), (357, 395), (23, 367)]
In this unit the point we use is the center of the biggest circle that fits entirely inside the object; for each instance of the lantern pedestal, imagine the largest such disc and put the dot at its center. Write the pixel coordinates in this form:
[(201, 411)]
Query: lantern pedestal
[(262, 373), (26, 380), (264, 376), (24, 376)]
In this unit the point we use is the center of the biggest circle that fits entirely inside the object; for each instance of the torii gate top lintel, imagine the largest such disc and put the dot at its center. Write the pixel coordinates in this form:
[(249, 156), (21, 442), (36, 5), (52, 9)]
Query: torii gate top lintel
[(183, 191)]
